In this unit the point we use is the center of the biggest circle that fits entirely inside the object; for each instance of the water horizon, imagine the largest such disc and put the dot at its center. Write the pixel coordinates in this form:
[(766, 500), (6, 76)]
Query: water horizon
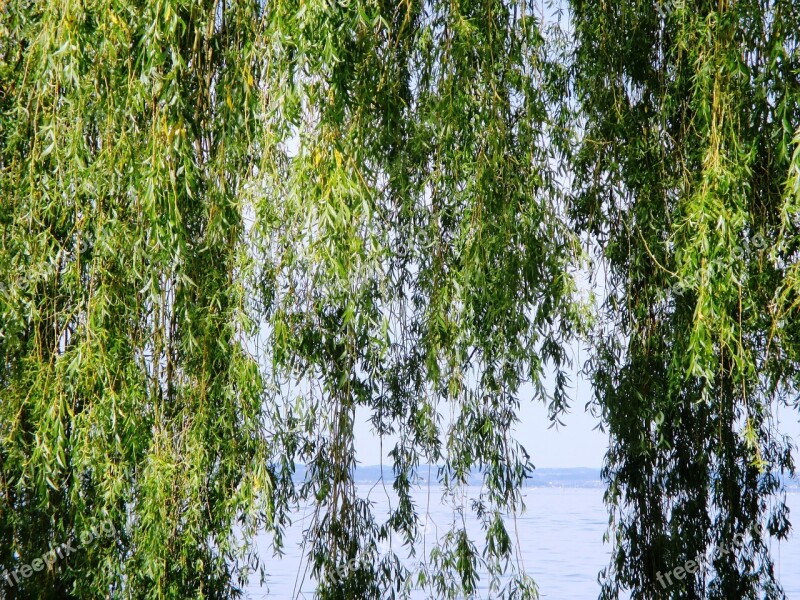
[(561, 534)]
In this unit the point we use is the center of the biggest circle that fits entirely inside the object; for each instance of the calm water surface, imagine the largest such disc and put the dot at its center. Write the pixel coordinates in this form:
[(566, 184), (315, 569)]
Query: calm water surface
[(561, 536)]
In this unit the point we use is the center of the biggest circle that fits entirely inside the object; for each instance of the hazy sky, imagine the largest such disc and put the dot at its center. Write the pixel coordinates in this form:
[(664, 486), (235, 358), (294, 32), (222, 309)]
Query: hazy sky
[(577, 444), (574, 445)]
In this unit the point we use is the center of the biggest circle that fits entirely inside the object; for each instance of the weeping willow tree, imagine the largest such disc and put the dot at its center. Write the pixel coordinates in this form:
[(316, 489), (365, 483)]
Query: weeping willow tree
[(688, 190), (416, 269), (394, 164), (128, 400), (229, 230)]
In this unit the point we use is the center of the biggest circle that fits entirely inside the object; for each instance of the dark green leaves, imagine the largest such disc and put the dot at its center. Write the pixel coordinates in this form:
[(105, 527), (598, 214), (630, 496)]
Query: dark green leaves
[(684, 164)]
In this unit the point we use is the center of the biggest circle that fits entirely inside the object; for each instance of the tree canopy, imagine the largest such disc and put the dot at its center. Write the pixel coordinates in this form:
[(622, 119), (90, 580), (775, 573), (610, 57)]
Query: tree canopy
[(226, 228)]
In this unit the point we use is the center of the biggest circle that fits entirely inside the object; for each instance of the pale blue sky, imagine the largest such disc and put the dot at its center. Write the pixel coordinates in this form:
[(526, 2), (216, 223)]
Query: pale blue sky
[(576, 444)]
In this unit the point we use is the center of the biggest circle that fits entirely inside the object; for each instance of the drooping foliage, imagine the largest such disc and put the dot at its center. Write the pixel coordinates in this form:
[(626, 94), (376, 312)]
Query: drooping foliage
[(684, 184), (128, 399), (416, 271), (395, 164), (231, 230)]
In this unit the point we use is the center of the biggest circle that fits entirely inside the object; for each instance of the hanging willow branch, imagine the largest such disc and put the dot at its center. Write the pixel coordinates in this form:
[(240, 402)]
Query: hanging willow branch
[(228, 230), (128, 400), (417, 268), (695, 104)]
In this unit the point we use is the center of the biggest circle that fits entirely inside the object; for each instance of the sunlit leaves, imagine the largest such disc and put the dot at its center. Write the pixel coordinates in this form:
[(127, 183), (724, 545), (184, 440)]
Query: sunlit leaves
[(223, 219), (415, 261), (128, 394)]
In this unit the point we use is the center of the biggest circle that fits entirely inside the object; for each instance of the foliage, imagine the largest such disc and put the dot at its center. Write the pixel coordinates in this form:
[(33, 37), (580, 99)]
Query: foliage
[(411, 259), (688, 112), (127, 394), (228, 230), (416, 269)]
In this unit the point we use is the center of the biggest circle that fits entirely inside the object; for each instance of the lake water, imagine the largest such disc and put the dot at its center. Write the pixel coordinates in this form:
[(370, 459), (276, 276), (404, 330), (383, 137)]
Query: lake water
[(561, 537)]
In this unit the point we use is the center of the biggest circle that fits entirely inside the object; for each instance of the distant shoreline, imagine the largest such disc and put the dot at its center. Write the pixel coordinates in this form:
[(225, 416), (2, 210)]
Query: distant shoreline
[(574, 477)]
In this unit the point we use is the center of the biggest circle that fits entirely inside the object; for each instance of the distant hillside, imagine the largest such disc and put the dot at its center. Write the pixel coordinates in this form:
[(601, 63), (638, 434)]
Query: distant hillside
[(575, 477)]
